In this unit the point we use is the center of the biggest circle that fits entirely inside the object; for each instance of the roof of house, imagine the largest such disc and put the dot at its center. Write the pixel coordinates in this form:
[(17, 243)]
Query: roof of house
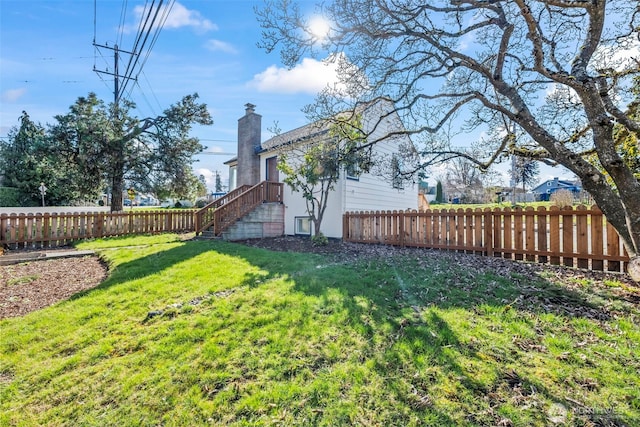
[(302, 133), (313, 130), (556, 183)]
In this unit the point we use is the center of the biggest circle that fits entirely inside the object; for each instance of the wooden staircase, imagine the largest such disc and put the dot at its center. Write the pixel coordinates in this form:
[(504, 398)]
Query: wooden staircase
[(213, 219)]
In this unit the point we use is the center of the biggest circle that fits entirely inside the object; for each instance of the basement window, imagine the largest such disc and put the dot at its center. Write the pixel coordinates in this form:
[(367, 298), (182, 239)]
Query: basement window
[(303, 225)]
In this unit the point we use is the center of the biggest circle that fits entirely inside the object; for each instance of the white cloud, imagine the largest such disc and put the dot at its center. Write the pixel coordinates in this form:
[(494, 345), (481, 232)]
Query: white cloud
[(12, 95), (216, 149), (182, 17), (209, 176), (178, 17), (621, 56), (310, 76), (218, 45)]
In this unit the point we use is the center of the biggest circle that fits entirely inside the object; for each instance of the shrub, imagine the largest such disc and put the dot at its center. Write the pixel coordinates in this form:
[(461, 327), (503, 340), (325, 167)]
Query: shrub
[(319, 240), (201, 203), (562, 198)]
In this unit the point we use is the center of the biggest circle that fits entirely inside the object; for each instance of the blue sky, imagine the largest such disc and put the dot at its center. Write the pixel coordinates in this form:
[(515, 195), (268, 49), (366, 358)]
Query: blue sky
[(209, 47), (47, 59)]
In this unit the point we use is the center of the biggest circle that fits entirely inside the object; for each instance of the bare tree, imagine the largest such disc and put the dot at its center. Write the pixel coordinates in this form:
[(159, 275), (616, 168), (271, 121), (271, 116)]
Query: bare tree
[(464, 181), (547, 79)]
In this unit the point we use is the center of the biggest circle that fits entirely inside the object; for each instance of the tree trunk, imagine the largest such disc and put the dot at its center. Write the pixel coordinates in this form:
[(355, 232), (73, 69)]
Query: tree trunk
[(634, 269), (316, 227), (117, 187)]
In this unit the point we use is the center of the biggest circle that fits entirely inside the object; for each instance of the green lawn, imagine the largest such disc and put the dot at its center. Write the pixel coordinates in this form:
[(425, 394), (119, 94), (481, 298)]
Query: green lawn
[(208, 332)]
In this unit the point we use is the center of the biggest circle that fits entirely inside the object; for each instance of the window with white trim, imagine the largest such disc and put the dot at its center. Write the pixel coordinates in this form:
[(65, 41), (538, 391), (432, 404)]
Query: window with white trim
[(303, 225)]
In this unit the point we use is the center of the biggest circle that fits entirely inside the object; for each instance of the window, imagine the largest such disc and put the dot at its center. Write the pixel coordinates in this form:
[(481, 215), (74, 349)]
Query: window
[(396, 173), (352, 171), (303, 225)]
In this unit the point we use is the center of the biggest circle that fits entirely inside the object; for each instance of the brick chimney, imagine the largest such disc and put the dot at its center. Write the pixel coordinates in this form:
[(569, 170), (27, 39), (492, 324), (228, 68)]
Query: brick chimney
[(249, 135)]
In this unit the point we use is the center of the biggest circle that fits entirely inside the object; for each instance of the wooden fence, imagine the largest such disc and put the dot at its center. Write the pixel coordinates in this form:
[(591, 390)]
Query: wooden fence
[(19, 231), (579, 237)]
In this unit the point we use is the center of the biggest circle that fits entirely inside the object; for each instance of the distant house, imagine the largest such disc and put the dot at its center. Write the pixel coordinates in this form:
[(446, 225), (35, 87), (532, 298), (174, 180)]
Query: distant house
[(354, 191), (544, 191)]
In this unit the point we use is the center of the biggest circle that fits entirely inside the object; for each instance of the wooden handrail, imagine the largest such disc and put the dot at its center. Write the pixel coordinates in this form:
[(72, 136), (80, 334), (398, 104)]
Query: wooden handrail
[(204, 216), (226, 210), (227, 214)]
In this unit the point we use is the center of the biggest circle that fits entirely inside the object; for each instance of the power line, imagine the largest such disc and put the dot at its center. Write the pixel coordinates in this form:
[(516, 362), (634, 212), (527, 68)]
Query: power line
[(141, 29), (123, 14), (148, 28), (153, 17)]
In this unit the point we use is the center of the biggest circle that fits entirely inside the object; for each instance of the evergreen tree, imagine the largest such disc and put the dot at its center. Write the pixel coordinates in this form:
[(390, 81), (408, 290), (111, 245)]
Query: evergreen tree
[(109, 146), (439, 195)]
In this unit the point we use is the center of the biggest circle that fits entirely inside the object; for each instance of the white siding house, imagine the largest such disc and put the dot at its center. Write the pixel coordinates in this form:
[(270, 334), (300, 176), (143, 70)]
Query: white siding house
[(366, 192)]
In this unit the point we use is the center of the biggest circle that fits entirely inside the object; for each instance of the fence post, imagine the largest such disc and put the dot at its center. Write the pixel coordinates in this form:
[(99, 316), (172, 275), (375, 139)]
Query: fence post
[(554, 235), (345, 227), (401, 227), (582, 237), (130, 222), (46, 231), (530, 238), (567, 236), (3, 222), (100, 225), (543, 238), (613, 248), (488, 232), (597, 239)]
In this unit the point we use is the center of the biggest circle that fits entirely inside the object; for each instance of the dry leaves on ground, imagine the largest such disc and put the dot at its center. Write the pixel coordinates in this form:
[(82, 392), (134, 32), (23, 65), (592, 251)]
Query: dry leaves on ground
[(34, 285)]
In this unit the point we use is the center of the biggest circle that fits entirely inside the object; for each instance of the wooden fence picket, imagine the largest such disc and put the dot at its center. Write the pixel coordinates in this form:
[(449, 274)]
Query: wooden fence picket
[(567, 237), (572, 237), (19, 231), (582, 237), (530, 242)]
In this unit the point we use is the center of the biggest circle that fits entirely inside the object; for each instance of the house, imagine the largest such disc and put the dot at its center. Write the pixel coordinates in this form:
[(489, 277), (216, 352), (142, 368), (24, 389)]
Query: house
[(257, 162), (544, 191)]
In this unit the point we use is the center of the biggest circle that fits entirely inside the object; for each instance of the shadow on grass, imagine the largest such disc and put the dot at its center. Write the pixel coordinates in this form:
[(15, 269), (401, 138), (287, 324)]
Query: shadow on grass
[(399, 300)]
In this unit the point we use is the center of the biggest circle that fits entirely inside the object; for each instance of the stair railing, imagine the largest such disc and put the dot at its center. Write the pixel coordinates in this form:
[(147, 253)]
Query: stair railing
[(204, 216), (237, 204)]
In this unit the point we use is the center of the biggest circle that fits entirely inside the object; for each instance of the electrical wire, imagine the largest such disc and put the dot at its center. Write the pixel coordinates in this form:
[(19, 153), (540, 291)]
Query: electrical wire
[(153, 18), (147, 31), (123, 15), (164, 18), (145, 98), (151, 89), (141, 28)]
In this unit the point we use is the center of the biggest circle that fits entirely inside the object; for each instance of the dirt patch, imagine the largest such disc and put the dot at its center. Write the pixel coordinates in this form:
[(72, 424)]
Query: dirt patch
[(34, 285)]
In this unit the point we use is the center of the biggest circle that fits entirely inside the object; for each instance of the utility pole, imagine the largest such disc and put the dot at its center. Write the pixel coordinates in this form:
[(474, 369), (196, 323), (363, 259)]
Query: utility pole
[(116, 75)]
